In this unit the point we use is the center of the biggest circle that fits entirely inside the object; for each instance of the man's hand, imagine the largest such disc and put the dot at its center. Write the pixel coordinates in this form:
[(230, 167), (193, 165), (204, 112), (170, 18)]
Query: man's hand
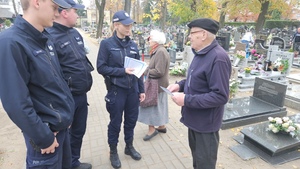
[(51, 149), (178, 98), (142, 97), (173, 88)]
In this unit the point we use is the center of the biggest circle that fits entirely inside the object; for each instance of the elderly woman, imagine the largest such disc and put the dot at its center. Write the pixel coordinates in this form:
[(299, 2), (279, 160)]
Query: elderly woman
[(158, 69)]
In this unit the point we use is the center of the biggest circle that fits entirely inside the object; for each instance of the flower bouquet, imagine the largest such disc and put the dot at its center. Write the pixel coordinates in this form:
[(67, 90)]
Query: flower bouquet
[(179, 70), (283, 125), (233, 89), (281, 65), (256, 56), (241, 54)]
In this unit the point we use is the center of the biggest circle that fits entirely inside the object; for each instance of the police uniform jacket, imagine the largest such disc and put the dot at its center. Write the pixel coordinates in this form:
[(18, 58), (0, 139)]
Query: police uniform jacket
[(32, 89)]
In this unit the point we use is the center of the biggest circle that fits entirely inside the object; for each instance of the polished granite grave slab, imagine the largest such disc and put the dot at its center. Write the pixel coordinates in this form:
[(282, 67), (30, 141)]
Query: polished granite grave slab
[(274, 148), (249, 110)]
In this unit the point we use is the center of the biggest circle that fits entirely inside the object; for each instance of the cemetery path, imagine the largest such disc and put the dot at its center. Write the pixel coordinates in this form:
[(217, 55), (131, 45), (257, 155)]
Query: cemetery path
[(12, 150), (174, 144)]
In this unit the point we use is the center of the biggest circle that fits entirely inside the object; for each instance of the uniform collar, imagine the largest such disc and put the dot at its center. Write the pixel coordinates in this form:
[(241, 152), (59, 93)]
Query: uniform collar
[(61, 27), (127, 40), (25, 26)]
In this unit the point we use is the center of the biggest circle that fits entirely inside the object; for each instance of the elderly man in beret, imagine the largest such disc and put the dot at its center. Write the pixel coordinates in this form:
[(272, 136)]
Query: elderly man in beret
[(204, 92)]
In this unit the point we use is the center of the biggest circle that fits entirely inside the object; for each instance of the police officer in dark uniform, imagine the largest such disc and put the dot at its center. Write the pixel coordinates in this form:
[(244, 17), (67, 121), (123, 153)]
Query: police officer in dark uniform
[(124, 90), (77, 73), (33, 91)]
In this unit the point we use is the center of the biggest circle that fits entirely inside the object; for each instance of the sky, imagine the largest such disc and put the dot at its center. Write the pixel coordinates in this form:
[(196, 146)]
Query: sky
[(86, 3)]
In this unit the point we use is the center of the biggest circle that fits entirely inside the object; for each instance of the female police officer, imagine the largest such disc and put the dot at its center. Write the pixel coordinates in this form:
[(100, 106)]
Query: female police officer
[(125, 91)]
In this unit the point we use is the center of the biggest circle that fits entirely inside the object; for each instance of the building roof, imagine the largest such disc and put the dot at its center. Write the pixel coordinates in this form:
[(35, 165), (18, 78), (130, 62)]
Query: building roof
[(5, 13)]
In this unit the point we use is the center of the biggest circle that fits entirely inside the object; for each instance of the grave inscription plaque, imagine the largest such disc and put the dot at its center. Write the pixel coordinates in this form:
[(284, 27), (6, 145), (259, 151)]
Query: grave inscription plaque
[(269, 91)]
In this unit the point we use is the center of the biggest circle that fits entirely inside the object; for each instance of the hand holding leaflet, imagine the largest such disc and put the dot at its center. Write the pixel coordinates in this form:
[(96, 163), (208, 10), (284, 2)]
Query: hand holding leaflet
[(139, 66), (167, 91)]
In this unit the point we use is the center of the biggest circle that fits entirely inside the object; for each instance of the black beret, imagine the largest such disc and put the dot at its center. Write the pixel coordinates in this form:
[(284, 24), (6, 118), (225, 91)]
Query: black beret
[(205, 23)]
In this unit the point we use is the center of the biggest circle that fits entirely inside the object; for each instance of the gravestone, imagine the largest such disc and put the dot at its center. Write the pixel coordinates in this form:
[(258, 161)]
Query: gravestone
[(188, 55), (269, 91), (172, 54), (279, 42), (267, 100), (239, 47), (258, 46), (271, 49), (242, 63), (237, 36), (275, 148), (247, 83), (179, 42), (284, 55), (234, 73), (223, 41)]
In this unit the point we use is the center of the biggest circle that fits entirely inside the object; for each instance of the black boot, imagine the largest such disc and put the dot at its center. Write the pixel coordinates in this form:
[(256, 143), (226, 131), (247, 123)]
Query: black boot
[(114, 157), (129, 150)]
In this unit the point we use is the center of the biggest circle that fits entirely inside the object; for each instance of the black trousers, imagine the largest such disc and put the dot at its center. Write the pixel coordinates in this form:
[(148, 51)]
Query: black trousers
[(78, 127), (60, 159), (119, 100), (204, 148)]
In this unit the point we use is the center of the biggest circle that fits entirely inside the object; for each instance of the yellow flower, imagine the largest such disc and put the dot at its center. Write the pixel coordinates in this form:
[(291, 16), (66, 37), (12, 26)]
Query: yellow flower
[(247, 70)]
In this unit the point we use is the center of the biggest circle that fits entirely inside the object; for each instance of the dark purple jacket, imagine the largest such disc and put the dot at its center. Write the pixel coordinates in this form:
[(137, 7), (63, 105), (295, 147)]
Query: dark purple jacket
[(206, 89)]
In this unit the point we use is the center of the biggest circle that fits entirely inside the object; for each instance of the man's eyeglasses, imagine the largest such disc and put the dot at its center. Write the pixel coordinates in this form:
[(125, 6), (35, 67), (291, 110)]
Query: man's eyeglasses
[(196, 32)]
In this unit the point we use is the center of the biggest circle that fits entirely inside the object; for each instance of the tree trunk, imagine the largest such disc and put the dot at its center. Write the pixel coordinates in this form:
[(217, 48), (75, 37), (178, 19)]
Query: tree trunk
[(133, 16), (222, 15), (100, 8), (164, 15), (262, 16), (138, 11), (127, 6), (194, 6)]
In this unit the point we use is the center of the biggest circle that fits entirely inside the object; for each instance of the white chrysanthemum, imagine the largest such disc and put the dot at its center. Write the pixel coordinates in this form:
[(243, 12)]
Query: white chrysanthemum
[(285, 125), (271, 126), (291, 128), (278, 120), (285, 119), (275, 130), (270, 119)]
